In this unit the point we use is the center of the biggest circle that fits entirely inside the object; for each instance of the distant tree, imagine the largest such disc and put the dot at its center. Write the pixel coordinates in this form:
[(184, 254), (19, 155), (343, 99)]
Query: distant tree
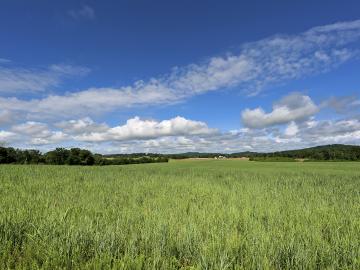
[(86, 157), (3, 155), (58, 156)]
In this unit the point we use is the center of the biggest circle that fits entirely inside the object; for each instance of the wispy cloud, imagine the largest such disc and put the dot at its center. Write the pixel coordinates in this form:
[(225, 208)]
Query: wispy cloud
[(257, 66), (344, 104), (4, 61), (17, 79), (85, 12)]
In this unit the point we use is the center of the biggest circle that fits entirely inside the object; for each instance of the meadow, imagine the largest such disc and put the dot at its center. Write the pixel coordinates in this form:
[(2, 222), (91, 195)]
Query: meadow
[(224, 214)]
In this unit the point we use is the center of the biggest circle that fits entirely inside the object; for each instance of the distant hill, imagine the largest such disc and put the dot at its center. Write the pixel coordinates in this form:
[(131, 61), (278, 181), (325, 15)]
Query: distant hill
[(334, 151), (324, 152)]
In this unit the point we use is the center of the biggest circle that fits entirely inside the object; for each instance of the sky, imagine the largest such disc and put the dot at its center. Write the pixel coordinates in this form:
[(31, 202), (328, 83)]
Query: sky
[(179, 76)]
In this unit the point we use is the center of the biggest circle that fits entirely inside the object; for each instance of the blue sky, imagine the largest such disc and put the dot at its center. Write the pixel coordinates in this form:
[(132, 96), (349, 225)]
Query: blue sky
[(176, 76)]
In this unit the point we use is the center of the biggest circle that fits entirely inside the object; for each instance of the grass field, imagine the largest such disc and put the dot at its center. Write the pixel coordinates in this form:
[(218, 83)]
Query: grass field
[(181, 215)]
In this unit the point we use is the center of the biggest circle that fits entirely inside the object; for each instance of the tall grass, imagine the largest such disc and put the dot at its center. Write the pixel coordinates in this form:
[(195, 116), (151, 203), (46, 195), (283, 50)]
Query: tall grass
[(181, 215)]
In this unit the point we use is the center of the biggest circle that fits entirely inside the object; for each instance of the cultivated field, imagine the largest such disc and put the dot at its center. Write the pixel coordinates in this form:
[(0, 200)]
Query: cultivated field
[(208, 214)]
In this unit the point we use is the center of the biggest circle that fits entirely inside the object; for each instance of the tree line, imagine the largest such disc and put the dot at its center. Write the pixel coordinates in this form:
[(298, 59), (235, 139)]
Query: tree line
[(324, 152), (73, 156)]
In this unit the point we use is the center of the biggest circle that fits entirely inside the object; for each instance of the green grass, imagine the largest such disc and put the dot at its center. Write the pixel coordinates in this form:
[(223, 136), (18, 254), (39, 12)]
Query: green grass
[(181, 215)]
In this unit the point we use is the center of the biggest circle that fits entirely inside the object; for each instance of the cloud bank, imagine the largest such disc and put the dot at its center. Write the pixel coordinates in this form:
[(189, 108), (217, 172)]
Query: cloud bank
[(290, 125)]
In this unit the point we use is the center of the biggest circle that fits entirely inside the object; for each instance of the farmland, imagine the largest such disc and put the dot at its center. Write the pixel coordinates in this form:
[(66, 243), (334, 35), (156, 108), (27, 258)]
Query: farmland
[(198, 214)]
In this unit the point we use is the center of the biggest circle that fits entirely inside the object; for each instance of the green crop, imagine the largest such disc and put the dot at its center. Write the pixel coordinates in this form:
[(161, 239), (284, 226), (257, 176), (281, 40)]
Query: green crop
[(181, 215)]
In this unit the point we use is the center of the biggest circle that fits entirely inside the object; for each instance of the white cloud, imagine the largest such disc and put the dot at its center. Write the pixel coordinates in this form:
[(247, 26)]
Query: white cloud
[(53, 137), (85, 12), (137, 128), (32, 128), (88, 102), (257, 65), (291, 130), (293, 107), (330, 130), (80, 126), (14, 80), (86, 131), (37, 133)]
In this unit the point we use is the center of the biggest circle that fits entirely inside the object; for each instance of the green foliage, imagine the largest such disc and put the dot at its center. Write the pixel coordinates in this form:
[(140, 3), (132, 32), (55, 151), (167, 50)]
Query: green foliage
[(11, 155), (138, 160), (74, 156), (181, 215), (59, 156), (326, 152)]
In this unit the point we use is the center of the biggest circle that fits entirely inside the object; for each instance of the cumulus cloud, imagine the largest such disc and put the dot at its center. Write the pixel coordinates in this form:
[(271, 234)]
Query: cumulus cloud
[(32, 128), (15, 79), (37, 133), (137, 128), (85, 12), (256, 66), (294, 107), (333, 129), (53, 137), (87, 133)]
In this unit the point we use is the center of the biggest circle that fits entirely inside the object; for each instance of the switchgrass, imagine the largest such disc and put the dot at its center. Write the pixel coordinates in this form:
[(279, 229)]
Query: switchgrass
[(181, 215)]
